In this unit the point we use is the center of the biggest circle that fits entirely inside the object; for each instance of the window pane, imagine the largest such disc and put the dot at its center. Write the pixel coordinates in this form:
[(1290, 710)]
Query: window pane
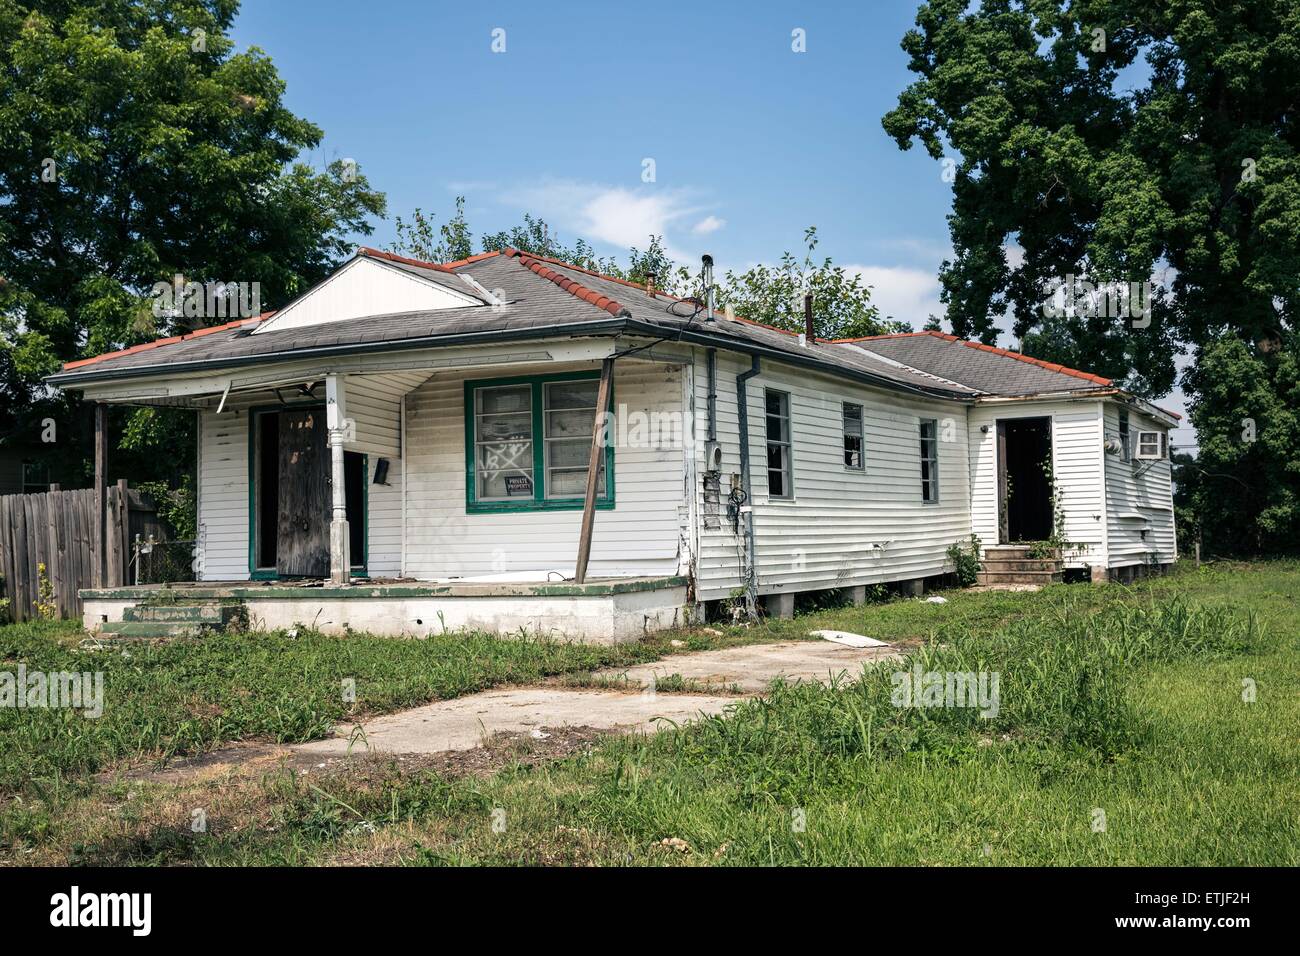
[(572, 394), (852, 423), (571, 423), (570, 416), (511, 398)]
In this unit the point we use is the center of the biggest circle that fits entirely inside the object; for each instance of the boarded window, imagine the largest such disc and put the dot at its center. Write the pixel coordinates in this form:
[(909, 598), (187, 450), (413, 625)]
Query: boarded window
[(528, 444), (503, 443), (853, 436), (929, 460), (780, 477), (570, 417)]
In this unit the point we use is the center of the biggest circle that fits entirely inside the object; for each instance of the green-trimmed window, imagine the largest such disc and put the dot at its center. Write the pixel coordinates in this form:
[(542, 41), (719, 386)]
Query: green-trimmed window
[(528, 442)]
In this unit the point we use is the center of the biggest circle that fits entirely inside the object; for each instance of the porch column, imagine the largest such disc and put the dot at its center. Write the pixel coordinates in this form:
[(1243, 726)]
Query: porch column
[(336, 421), (598, 440), (99, 555)]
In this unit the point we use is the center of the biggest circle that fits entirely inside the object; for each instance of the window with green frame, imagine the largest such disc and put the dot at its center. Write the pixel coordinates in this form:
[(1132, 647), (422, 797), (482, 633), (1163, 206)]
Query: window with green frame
[(528, 443)]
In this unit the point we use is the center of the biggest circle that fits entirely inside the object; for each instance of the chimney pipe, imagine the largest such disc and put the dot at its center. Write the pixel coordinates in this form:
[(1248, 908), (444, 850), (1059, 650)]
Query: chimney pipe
[(650, 284), (707, 260), (808, 319)]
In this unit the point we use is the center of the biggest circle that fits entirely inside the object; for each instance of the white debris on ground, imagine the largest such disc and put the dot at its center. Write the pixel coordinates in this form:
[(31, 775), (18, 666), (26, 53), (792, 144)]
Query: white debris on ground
[(849, 639), (936, 599)]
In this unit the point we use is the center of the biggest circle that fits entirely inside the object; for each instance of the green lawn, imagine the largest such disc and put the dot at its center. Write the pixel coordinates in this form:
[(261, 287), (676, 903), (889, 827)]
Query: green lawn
[(1114, 701)]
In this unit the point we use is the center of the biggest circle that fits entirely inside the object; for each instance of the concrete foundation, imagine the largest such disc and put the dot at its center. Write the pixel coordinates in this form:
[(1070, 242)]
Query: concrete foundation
[(596, 613), (913, 588), (780, 606), (857, 594)]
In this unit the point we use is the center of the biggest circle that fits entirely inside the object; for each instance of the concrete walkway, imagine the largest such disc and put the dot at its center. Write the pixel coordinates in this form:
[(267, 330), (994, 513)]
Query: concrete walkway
[(467, 722), (752, 668)]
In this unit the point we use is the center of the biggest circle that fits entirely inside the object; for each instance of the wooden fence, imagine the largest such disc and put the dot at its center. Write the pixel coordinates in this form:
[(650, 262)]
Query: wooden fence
[(57, 529)]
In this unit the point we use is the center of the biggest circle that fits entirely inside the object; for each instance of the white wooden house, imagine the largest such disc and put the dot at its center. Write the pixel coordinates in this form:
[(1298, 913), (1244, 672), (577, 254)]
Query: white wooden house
[(408, 446)]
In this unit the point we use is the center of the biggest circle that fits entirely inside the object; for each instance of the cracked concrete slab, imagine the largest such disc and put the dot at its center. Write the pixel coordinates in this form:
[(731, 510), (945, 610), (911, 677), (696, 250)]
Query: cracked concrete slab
[(466, 722), (752, 668)]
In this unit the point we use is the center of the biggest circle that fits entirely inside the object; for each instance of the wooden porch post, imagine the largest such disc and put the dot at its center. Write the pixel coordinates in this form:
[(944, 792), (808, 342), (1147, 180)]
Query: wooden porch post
[(340, 537), (593, 469), (99, 555)]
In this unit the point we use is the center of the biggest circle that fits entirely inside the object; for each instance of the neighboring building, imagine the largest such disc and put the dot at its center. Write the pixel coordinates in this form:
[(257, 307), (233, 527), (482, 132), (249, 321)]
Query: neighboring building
[(469, 392)]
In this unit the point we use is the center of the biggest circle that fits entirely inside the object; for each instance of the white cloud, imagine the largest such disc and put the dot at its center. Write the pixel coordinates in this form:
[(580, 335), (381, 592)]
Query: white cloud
[(616, 215), (707, 225), (902, 292)]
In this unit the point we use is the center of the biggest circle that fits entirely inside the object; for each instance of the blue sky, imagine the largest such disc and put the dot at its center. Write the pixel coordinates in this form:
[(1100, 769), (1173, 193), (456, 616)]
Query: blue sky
[(751, 141)]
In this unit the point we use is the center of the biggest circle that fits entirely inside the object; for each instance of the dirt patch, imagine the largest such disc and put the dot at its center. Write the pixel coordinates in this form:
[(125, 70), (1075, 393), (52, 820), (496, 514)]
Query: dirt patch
[(501, 750)]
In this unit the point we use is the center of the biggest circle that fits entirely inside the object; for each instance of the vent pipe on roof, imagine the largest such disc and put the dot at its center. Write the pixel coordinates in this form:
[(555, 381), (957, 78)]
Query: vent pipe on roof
[(650, 284), (707, 260), (810, 335)]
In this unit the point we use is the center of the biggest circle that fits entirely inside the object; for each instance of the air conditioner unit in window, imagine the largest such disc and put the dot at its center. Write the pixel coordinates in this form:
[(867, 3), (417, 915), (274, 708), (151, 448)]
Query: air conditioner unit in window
[(1150, 446)]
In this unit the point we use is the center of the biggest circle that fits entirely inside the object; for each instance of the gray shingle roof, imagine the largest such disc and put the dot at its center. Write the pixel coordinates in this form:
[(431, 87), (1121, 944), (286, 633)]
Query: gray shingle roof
[(990, 370), (550, 299)]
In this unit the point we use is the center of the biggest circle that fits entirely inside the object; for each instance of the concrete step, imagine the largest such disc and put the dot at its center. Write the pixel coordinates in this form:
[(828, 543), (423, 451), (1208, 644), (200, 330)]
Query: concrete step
[(1016, 564), (146, 630), (214, 614), (1017, 552), (1020, 577)]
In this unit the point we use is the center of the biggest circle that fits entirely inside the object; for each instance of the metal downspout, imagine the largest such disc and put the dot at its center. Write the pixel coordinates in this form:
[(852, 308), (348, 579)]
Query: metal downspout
[(750, 583)]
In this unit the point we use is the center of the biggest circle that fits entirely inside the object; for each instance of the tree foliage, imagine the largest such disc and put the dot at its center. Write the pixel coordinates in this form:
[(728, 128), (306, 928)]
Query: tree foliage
[(1195, 168), (1117, 139), (137, 144)]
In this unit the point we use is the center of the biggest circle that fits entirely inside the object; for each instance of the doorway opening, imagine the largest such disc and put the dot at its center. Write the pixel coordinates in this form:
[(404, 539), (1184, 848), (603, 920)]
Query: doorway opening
[(290, 495), (1024, 479)]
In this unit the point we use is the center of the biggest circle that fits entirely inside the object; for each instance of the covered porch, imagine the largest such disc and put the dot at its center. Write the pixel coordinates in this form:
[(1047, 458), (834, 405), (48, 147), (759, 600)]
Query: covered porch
[(456, 488)]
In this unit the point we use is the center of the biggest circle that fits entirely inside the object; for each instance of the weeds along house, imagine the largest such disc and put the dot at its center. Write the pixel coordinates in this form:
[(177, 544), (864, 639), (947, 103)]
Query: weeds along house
[(455, 406)]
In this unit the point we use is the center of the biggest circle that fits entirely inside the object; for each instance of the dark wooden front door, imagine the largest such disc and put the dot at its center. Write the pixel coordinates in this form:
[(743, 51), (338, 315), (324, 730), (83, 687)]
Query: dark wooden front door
[(1024, 479), (303, 528)]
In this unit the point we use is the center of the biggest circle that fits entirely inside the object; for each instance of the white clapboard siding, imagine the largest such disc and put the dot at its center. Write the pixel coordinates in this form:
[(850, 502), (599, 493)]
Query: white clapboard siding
[(223, 491), (365, 287), (224, 495), (1077, 449), (1139, 495), (374, 402), (384, 522), (639, 536), (843, 527)]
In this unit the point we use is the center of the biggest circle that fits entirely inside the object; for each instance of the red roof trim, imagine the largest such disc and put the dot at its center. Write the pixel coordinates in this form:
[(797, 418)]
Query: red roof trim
[(576, 289), (478, 258), (1018, 356), (658, 294), (157, 343), (394, 257)]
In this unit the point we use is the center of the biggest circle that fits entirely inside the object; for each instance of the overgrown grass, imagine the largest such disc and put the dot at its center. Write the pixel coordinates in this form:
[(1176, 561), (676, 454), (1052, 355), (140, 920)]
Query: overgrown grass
[(185, 697), (1122, 705)]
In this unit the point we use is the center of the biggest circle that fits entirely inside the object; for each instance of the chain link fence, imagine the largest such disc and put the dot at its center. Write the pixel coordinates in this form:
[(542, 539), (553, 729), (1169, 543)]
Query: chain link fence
[(162, 562)]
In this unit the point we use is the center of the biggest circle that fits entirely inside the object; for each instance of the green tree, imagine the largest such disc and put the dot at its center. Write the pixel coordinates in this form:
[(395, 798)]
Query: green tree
[(136, 145), (775, 295), (417, 239), (1107, 137), (1111, 139), (1243, 490)]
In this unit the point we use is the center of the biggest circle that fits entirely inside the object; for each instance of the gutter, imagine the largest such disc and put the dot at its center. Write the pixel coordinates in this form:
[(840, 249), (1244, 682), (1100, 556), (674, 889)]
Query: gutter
[(750, 583), (610, 326)]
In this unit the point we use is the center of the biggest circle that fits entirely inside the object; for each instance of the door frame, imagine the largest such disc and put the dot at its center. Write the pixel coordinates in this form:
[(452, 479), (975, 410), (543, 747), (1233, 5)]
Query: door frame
[(358, 570), (1000, 462)]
